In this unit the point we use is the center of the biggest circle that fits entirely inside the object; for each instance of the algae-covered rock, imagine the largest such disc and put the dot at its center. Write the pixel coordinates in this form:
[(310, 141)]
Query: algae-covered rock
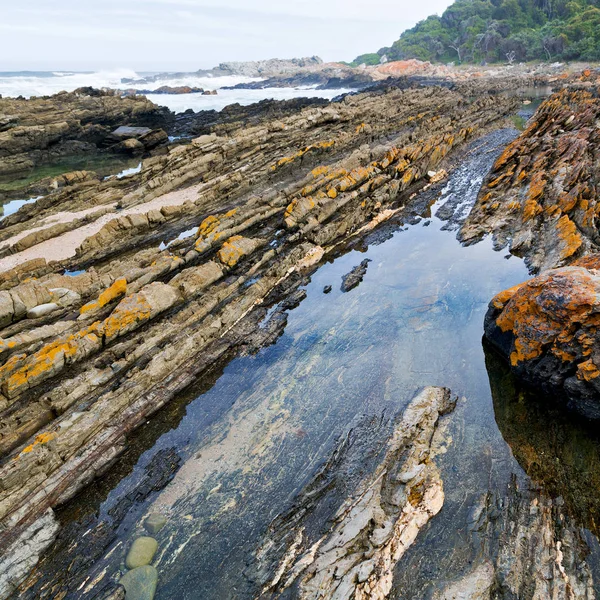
[(141, 552), (155, 522), (140, 583)]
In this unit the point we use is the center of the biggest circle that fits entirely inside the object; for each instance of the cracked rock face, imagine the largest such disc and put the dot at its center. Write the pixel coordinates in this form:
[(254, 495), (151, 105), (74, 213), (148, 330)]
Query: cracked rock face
[(375, 524), (541, 197)]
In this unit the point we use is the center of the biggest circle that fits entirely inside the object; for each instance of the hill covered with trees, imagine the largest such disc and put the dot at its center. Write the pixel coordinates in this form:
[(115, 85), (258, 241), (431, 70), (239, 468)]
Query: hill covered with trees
[(501, 31)]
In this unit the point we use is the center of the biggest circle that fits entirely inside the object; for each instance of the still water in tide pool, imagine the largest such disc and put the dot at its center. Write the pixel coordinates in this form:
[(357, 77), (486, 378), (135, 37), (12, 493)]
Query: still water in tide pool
[(252, 441)]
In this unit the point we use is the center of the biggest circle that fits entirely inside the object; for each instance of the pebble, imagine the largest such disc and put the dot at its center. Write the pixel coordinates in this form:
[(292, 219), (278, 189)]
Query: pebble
[(140, 583), (327, 289), (155, 522), (141, 552)]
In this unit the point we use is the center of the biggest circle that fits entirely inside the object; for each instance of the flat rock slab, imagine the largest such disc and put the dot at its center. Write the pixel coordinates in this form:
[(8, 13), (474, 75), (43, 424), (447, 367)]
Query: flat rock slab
[(42, 310), (155, 522), (140, 583), (141, 552), (125, 131)]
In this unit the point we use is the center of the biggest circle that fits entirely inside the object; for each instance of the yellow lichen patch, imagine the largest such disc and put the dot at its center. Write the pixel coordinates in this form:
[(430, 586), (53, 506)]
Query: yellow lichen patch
[(360, 128), (332, 193), (587, 371), (234, 249), (300, 153), (116, 290), (132, 310), (42, 438), (207, 226), (318, 171), (500, 300), (230, 213), (531, 209), (567, 232), (22, 371)]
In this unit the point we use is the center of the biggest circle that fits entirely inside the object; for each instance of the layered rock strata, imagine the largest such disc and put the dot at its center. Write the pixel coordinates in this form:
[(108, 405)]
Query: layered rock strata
[(175, 257), (542, 196), (542, 200), (39, 130), (374, 526)]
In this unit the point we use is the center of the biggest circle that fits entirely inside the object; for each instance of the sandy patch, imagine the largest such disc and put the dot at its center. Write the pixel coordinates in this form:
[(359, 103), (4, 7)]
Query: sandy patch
[(65, 245)]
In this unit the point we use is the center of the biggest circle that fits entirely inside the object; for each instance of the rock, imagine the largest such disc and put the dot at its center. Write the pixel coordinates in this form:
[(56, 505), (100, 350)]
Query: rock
[(155, 522), (546, 328), (131, 132), (141, 553), (42, 130), (42, 310), (17, 559), (65, 297), (72, 391), (541, 197), (352, 279), (140, 583), (360, 545), (327, 289)]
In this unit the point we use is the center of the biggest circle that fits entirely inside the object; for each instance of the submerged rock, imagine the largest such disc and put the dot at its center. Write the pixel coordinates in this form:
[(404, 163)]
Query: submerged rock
[(367, 535), (352, 279), (140, 583), (141, 553), (154, 523)]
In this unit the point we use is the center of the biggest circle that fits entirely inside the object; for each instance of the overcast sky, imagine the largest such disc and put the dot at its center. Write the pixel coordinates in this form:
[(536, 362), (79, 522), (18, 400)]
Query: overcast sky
[(191, 34)]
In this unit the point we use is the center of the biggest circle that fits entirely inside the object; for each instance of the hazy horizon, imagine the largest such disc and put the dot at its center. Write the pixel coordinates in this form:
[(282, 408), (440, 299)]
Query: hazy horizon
[(186, 35)]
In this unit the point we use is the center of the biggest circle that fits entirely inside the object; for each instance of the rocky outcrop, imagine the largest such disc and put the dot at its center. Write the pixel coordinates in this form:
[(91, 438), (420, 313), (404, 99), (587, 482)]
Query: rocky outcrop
[(548, 329), (158, 272), (41, 130), (541, 197)]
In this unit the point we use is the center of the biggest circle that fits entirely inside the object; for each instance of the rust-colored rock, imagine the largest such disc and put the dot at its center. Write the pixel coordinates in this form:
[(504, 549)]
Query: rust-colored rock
[(548, 329)]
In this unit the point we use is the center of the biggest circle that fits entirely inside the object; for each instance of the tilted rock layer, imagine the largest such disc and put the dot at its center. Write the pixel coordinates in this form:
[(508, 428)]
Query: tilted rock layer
[(164, 265), (542, 197)]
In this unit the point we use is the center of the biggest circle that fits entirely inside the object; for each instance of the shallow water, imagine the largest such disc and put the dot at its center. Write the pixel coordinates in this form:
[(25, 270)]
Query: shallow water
[(250, 442), (13, 206)]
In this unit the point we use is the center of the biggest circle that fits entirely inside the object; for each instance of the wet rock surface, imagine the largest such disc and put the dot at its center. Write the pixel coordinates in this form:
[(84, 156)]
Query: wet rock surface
[(352, 279), (378, 520), (142, 322), (44, 129)]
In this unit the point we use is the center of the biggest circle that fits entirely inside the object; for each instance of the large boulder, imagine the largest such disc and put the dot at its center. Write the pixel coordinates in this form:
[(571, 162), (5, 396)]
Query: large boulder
[(548, 330)]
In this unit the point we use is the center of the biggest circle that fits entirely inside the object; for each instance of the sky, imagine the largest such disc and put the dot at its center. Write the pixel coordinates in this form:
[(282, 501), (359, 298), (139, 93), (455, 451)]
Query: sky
[(186, 35)]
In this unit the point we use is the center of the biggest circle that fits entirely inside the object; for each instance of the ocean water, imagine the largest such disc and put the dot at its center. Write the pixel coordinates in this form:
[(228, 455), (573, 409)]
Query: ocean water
[(43, 83)]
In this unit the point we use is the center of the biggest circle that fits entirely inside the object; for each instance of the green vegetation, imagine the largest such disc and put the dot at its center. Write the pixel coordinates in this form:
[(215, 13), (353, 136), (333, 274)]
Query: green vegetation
[(502, 31)]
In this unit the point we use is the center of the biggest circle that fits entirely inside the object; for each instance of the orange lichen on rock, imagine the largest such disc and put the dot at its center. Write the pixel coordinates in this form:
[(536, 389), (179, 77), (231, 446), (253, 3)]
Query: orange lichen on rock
[(544, 313), (568, 234), (235, 248), (587, 370), (41, 438), (116, 290), (24, 371)]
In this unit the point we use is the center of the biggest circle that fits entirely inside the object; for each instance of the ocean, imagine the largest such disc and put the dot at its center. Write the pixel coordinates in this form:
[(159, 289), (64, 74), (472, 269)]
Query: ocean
[(44, 83)]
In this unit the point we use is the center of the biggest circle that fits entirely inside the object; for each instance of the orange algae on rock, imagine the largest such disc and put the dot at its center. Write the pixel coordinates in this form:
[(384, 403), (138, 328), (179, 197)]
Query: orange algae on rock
[(116, 290)]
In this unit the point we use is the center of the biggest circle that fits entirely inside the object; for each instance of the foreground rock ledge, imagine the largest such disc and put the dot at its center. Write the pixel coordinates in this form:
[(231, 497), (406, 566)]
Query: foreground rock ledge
[(373, 528)]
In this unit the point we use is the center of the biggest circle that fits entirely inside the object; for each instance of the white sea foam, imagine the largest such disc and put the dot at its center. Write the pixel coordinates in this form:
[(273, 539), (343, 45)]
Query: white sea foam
[(43, 84)]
